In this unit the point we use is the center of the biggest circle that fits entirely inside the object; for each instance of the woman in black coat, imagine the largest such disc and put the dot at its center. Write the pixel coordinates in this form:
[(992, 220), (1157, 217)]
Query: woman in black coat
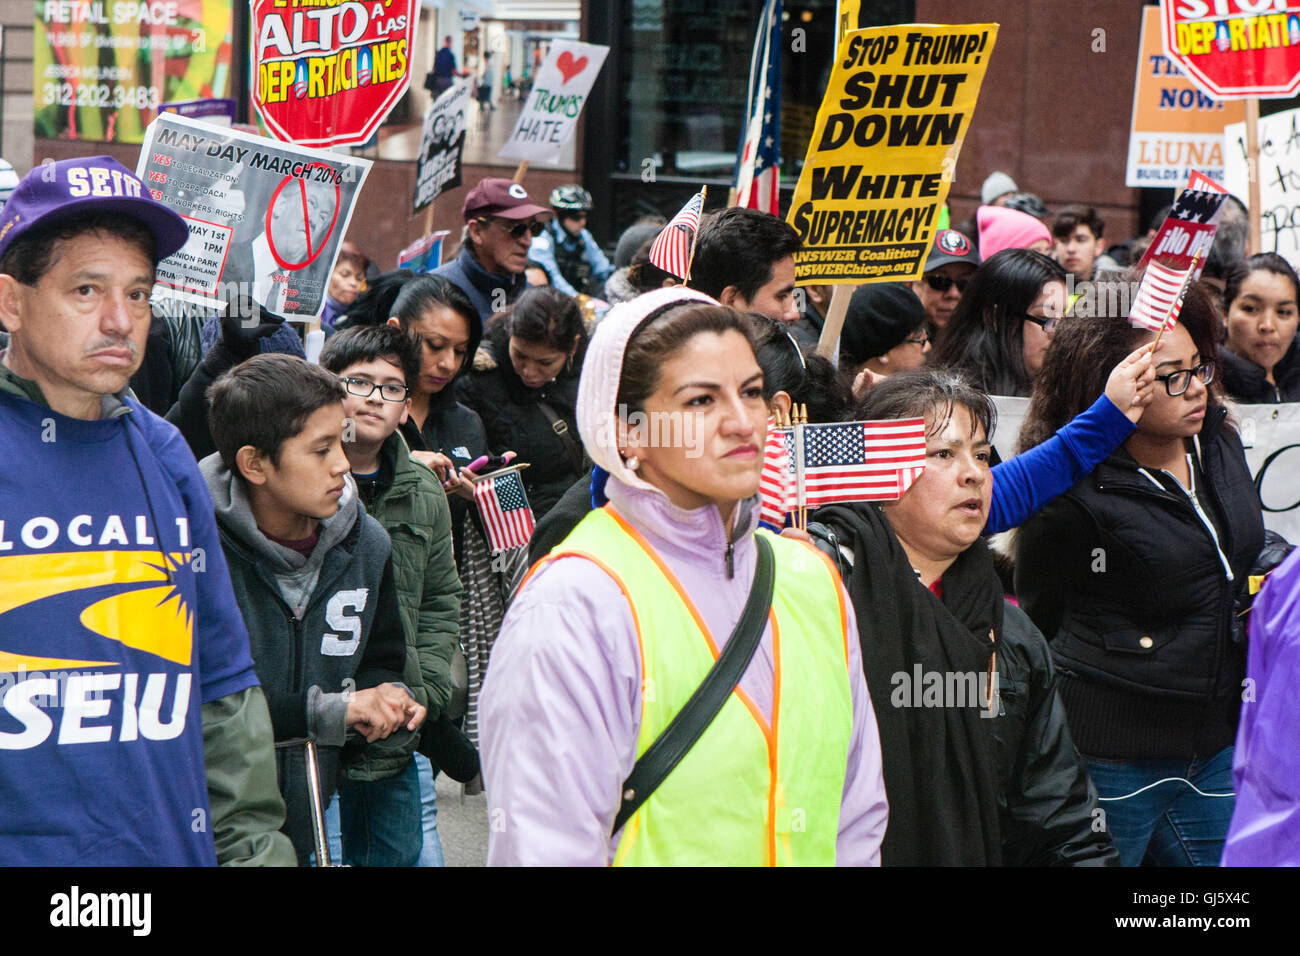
[(978, 772), (524, 386), (1261, 359), (1133, 575)]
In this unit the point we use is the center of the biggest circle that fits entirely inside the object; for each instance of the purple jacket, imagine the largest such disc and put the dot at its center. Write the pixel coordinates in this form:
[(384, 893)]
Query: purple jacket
[(1265, 827), (560, 711)]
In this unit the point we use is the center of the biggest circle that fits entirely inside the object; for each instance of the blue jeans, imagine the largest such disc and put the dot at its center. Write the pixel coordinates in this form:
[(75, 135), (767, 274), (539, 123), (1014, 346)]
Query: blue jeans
[(1168, 823), (377, 822), (431, 852)]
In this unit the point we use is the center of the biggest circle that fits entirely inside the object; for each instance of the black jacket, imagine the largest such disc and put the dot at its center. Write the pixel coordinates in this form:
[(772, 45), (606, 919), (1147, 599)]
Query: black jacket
[(515, 422), (964, 788), (1126, 579), (1245, 381)]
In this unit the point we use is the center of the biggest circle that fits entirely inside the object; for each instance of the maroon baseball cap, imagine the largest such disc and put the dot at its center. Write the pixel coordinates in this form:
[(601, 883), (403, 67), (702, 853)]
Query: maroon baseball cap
[(500, 197), (59, 191), (951, 246)]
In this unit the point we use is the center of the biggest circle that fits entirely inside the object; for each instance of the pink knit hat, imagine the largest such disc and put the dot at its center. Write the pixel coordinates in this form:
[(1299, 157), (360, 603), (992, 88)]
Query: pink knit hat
[(602, 371), (1002, 228)]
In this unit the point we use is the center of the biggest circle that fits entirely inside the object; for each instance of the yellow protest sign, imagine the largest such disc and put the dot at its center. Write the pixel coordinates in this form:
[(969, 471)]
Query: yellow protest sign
[(884, 149)]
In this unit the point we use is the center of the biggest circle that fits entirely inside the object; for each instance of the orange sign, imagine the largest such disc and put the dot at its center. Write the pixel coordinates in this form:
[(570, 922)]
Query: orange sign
[(1176, 127)]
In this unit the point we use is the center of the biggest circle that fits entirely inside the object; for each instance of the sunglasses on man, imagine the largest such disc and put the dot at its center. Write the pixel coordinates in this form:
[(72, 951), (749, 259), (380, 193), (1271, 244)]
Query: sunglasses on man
[(531, 226), (943, 283)]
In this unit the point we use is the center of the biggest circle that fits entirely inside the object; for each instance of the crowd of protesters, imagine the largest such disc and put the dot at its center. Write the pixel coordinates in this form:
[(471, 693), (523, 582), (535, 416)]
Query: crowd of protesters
[(657, 676)]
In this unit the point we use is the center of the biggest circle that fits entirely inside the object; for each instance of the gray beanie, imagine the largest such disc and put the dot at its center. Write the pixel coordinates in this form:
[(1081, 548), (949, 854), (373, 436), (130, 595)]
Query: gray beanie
[(998, 184)]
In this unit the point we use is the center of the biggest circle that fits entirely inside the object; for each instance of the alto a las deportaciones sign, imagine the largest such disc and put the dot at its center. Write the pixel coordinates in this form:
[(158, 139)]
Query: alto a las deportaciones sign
[(1233, 49), (329, 75)]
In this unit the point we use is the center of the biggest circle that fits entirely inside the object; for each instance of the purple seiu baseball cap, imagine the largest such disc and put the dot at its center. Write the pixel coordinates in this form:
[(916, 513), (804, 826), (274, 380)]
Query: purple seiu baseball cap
[(55, 192)]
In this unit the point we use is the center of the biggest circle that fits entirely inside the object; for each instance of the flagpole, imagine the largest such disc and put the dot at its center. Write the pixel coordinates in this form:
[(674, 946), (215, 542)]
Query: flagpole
[(695, 234)]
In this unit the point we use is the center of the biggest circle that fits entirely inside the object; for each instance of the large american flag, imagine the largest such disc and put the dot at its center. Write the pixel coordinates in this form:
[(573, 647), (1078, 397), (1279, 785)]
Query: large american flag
[(1160, 296), (776, 491), (758, 163), (671, 250), (857, 461), (503, 506)]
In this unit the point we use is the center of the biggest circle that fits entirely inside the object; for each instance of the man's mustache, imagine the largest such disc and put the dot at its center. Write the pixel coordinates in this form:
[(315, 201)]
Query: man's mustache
[(113, 344)]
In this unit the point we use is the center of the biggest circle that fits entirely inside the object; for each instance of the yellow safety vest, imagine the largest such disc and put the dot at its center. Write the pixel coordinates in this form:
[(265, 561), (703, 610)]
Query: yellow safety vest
[(746, 794)]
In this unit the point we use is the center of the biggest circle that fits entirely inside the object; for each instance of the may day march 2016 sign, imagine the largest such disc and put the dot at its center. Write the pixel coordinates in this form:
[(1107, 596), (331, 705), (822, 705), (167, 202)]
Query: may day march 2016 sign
[(1176, 127), (442, 140), (884, 148), (1235, 48), (1279, 179), (265, 218), (103, 67), (326, 73), (560, 90), (1270, 434)]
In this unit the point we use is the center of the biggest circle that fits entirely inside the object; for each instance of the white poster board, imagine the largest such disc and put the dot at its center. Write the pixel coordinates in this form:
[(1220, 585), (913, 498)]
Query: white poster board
[(559, 92)]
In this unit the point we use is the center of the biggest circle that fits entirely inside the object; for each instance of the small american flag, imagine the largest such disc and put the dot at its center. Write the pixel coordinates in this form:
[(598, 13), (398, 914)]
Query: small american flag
[(860, 461), (1159, 296), (503, 506), (671, 250), (776, 484)]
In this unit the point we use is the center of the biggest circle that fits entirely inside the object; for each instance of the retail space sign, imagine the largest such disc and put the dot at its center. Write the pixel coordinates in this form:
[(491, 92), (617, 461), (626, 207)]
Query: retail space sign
[(266, 218), (560, 89), (328, 74), (884, 150), (1234, 49), (1279, 180), (1176, 127), (104, 67)]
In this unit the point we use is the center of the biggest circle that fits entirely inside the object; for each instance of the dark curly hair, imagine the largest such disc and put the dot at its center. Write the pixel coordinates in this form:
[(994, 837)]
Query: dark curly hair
[(1085, 350)]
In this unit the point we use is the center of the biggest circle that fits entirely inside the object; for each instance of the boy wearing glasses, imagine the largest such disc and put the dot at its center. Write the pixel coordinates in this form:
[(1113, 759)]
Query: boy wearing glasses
[(500, 225), (382, 788), (310, 570), (951, 263)]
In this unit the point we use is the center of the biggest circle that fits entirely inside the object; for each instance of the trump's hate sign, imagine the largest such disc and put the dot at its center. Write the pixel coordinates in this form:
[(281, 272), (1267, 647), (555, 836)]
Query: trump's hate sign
[(884, 150)]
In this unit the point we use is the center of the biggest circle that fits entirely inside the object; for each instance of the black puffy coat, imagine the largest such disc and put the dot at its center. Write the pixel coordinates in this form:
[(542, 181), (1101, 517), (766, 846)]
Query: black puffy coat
[(514, 422), (1245, 381), (1136, 597), (964, 788)]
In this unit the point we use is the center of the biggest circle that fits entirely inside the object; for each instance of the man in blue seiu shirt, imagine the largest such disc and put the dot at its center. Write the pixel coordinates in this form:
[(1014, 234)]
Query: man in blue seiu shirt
[(133, 728)]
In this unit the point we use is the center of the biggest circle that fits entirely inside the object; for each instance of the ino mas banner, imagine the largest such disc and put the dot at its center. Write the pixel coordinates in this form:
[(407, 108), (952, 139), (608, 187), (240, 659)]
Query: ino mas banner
[(327, 72)]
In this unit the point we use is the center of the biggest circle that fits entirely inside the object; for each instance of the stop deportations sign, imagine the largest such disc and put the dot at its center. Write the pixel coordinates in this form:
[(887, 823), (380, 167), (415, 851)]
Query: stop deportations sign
[(1233, 49)]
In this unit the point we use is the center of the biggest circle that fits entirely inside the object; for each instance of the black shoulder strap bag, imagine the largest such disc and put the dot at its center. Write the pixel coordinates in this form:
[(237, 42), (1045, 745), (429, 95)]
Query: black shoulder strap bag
[(572, 450), (696, 714)]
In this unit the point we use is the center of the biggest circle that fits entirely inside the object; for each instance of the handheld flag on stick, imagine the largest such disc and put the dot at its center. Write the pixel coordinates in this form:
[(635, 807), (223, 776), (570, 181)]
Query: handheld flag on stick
[(854, 461), (674, 247), (758, 167), (503, 506), (776, 484), (1160, 297)]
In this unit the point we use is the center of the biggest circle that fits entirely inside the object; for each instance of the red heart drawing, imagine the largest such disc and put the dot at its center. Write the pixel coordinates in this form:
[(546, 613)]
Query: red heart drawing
[(570, 67)]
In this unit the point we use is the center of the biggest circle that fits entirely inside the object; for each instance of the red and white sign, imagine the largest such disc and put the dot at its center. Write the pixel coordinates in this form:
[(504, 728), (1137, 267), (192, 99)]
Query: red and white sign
[(1187, 233), (1233, 49), (329, 75)]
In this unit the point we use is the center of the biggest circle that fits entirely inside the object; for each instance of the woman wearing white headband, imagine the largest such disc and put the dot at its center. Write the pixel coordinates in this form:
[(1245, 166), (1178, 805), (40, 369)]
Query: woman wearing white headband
[(614, 632)]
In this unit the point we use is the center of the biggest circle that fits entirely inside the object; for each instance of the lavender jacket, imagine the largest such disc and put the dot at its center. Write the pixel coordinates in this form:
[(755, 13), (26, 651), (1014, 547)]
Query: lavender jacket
[(560, 712), (1265, 827)]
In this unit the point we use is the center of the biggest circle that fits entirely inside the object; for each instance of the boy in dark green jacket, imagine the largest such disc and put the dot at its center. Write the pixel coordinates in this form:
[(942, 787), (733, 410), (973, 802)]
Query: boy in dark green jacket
[(380, 801)]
